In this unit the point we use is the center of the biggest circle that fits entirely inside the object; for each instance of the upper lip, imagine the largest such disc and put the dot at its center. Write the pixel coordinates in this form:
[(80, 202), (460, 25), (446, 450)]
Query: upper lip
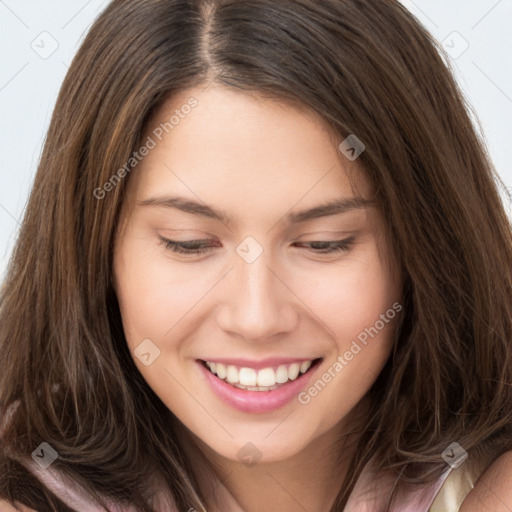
[(257, 365)]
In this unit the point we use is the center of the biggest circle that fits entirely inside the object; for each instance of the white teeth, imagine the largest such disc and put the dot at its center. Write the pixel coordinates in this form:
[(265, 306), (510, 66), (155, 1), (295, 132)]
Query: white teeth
[(293, 371), (247, 377), (232, 374), (282, 374), (221, 371), (265, 379), (304, 367)]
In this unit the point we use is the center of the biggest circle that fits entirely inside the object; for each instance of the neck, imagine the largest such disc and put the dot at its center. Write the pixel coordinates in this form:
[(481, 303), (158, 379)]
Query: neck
[(308, 480)]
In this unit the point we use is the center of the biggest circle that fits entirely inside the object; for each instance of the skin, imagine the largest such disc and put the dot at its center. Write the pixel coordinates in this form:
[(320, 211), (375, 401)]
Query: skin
[(267, 159), (256, 159)]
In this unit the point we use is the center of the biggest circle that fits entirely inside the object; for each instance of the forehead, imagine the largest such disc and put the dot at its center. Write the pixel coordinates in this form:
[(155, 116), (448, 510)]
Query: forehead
[(246, 152)]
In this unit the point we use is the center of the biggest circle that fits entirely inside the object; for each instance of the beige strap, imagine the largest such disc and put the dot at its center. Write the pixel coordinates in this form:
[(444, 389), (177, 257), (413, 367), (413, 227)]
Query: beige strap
[(460, 481), (453, 491)]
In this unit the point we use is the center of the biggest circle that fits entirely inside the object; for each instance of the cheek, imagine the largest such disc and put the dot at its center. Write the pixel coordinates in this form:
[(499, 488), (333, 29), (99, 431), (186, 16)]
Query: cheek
[(368, 307), (356, 303), (153, 294), (152, 306), (350, 297)]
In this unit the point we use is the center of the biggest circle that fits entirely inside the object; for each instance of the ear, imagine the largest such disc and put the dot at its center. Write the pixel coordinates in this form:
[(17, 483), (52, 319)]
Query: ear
[(493, 490)]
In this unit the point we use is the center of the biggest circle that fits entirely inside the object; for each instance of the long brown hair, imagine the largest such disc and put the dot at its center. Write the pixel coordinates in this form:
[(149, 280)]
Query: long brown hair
[(368, 68)]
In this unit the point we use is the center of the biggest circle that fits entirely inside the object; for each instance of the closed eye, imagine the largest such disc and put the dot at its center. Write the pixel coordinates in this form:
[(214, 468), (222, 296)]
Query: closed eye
[(196, 247), (189, 247), (330, 247)]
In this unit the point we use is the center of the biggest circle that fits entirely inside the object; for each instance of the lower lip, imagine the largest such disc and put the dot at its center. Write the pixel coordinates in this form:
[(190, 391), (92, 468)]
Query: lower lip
[(256, 401)]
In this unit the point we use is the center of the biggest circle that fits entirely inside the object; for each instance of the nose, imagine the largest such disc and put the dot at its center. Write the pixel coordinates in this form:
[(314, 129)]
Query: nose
[(257, 303)]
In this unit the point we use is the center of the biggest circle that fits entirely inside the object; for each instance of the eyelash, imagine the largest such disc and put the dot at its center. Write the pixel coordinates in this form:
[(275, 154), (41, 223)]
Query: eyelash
[(333, 247)]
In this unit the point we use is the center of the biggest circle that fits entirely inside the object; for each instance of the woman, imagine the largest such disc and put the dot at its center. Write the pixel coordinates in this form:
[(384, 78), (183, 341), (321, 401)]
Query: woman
[(264, 266)]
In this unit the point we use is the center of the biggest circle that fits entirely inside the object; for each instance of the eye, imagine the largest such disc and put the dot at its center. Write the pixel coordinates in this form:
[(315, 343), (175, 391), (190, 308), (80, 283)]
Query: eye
[(189, 247), (196, 247), (329, 247)]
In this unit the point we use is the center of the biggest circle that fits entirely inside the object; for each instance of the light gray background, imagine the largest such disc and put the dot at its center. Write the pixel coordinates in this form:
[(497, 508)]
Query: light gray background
[(476, 33)]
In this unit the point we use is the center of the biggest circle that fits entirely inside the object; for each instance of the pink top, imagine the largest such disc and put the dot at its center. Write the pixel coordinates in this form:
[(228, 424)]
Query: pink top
[(364, 498), (78, 499), (445, 495)]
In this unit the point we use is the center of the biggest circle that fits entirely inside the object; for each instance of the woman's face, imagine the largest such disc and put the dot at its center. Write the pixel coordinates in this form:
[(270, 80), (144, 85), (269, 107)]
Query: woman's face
[(291, 303)]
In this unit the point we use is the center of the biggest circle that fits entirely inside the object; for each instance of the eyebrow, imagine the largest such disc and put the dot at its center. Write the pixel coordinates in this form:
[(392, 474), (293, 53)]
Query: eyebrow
[(335, 207)]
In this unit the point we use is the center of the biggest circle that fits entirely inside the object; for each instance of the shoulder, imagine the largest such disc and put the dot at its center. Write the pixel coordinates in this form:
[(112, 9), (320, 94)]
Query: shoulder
[(493, 490), (5, 506)]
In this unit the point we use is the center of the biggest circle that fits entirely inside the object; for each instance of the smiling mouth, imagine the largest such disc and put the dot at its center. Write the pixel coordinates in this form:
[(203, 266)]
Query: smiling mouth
[(264, 379)]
